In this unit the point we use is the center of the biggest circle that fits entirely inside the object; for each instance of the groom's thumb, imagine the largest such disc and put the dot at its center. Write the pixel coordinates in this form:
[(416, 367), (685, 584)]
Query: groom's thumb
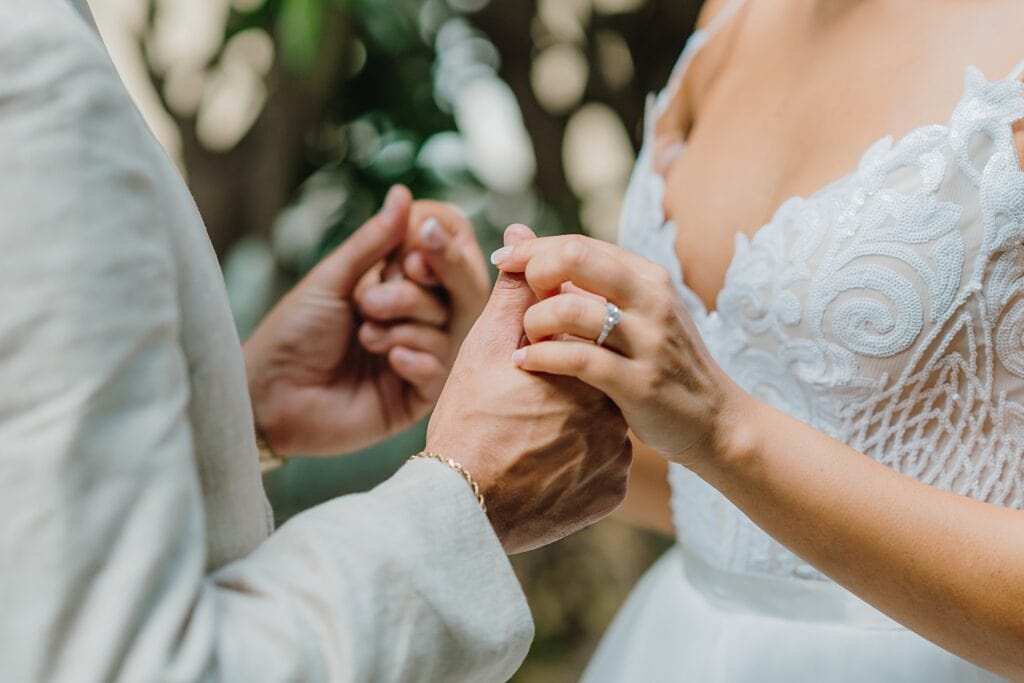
[(503, 316), (341, 270)]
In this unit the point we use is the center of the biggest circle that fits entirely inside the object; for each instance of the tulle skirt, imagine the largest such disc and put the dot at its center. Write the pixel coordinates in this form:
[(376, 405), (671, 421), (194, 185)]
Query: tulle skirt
[(687, 622)]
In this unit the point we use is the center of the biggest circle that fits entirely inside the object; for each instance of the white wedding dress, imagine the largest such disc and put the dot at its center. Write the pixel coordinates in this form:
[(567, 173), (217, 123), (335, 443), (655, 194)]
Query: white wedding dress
[(886, 310)]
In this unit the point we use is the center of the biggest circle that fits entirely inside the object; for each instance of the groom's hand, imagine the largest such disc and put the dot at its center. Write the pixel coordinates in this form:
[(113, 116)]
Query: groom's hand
[(551, 456), (323, 381), (430, 292)]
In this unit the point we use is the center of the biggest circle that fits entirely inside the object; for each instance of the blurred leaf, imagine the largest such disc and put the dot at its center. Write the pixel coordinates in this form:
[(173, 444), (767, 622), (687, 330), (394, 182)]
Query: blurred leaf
[(300, 33), (388, 25)]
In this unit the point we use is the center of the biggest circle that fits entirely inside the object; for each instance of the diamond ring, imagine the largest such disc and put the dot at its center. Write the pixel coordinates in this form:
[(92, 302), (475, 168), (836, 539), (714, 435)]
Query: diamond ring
[(611, 321)]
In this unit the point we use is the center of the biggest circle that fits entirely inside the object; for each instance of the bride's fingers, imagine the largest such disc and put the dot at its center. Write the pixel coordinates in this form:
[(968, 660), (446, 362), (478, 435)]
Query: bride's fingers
[(513, 259), (599, 367), (579, 260), (570, 288), (576, 315), (596, 267)]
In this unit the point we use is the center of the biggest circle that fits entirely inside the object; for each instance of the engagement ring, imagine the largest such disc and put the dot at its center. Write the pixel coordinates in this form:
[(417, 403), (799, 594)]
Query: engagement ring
[(611, 321)]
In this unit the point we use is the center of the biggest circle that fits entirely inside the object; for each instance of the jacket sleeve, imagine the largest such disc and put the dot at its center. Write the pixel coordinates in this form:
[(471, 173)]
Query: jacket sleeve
[(102, 547)]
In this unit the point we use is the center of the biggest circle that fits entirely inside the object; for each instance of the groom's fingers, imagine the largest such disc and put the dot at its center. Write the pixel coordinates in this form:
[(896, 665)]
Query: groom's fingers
[(401, 300), (380, 339), (447, 245), (382, 234), (502, 319), (416, 269), (422, 370)]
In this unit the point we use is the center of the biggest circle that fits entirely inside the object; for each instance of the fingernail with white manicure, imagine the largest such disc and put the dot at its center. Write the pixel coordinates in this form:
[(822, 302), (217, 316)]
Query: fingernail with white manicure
[(519, 357), (501, 255), (434, 236)]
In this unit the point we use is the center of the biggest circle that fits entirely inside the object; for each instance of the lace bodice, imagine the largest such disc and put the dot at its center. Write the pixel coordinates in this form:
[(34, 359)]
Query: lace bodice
[(886, 310)]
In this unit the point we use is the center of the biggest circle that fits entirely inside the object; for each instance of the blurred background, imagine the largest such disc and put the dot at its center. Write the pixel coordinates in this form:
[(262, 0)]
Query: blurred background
[(291, 118)]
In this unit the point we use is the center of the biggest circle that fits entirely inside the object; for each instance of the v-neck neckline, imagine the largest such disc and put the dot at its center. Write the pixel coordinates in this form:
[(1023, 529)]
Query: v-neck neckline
[(972, 73)]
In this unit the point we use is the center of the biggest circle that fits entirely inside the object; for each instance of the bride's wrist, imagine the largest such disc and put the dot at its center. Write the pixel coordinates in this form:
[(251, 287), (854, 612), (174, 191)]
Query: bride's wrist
[(735, 440)]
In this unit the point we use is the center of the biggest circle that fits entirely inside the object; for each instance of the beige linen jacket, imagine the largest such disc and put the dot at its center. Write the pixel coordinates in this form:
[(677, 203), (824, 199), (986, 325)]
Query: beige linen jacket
[(135, 537)]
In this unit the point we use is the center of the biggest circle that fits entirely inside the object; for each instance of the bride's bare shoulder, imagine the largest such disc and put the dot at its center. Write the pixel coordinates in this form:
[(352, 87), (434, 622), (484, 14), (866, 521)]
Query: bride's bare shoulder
[(717, 16)]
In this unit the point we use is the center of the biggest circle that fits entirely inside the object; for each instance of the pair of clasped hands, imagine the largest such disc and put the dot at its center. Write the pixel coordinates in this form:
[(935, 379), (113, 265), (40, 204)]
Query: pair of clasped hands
[(397, 319)]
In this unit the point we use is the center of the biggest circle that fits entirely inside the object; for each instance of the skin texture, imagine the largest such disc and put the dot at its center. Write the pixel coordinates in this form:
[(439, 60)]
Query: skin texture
[(953, 568), (347, 359), (550, 453)]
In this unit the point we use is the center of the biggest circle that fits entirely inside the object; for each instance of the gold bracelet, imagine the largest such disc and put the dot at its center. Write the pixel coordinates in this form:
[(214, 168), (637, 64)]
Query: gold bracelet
[(269, 460), (427, 455)]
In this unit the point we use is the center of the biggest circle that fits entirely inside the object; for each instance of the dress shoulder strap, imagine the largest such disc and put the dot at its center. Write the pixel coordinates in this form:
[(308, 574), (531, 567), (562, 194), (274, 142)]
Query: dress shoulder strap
[(698, 40)]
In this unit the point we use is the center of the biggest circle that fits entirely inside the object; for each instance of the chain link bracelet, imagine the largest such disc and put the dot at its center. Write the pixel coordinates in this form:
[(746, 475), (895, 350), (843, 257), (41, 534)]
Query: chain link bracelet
[(463, 472)]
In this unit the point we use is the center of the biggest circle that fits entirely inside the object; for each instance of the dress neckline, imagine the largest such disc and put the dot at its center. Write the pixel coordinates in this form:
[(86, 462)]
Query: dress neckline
[(877, 152)]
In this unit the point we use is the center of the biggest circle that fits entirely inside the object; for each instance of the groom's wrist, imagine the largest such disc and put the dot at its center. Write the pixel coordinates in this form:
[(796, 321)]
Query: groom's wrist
[(458, 468), (273, 437)]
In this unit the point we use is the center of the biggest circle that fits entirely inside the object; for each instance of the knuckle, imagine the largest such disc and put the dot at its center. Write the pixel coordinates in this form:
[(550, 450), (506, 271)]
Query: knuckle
[(604, 370), (662, 308), (660, 277), (574, 251), (404, 298), (659, 341), (577, 361), (569, 310), (532, 320), (649, 379)]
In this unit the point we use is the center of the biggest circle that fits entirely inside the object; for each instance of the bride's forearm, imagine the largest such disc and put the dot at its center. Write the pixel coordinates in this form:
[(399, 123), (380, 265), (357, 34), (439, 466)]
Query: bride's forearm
[(944, 565)]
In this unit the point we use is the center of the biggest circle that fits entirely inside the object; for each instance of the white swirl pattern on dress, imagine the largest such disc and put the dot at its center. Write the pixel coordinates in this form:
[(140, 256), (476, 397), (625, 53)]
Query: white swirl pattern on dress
[(886, 310)]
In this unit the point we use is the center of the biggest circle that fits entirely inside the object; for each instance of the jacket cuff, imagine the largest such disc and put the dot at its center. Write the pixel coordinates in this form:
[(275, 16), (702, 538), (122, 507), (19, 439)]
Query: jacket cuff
[(464, 562)]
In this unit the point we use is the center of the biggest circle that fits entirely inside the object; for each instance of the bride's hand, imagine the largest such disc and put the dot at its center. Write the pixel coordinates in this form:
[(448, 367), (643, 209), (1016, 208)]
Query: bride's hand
[(654, 364)]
